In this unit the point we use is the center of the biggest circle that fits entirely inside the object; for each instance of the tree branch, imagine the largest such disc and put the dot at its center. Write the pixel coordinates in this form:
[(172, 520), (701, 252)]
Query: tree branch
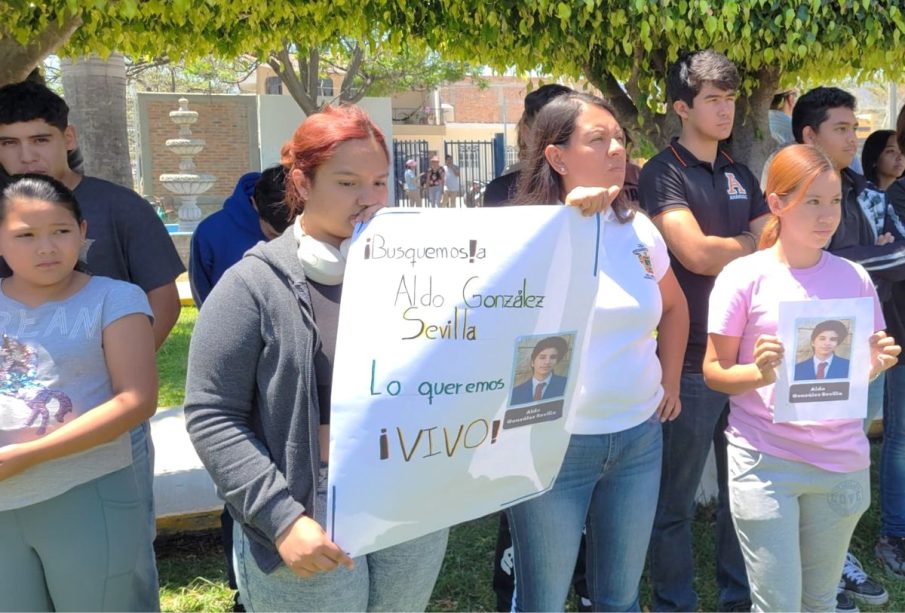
[(347, 92), (281, 63), (17, 61), (314, 76), (133, 70)]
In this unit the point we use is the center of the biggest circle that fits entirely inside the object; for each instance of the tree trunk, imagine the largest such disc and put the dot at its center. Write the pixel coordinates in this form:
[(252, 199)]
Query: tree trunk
[(299, 85), (751, 142), (16, 61), (655, 127), (95, 90)]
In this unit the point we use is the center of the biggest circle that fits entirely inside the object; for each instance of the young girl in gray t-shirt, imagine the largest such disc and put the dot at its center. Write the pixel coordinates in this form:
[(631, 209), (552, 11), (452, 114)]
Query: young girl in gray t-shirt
[(77, 371)]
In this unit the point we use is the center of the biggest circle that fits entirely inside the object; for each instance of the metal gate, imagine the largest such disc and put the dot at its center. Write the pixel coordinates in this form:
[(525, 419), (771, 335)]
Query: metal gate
[(407, 150), (479, 163)]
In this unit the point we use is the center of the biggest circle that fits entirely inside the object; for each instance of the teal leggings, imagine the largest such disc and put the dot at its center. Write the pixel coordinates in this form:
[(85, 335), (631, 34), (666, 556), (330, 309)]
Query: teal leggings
[(76, 551)]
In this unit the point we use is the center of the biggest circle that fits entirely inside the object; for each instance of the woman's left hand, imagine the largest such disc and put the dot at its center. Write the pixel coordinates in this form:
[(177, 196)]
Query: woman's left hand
[(670, 405), (592, 200), (883, 353), (367, 213), (12, 461)]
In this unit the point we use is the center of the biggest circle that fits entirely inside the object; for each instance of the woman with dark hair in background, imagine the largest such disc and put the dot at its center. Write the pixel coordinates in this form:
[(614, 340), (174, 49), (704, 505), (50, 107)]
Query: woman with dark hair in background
[(881, 159), (610, 476)]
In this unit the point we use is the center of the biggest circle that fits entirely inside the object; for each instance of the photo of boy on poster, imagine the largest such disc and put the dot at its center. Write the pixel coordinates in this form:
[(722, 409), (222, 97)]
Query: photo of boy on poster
[(824, 362), (544, 383)]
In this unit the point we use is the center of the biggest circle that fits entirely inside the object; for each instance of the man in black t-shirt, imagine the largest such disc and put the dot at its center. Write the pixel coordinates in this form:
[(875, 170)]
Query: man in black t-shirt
[(710, 210)]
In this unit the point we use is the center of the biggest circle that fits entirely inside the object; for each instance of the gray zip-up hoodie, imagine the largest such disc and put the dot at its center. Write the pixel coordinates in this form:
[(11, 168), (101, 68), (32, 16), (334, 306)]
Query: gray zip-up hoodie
[(251, 397)]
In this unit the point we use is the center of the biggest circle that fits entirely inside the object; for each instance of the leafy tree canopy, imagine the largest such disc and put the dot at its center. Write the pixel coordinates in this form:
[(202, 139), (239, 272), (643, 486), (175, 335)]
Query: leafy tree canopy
[(300, 40), (177, 28), (621, 46), (624, 46)]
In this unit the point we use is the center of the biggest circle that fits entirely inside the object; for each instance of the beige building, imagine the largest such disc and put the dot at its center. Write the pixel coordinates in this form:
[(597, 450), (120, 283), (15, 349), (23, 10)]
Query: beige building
[(466, 110)]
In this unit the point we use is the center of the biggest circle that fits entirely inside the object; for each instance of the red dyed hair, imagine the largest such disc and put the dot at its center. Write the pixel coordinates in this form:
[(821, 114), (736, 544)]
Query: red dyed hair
[(791, 171), (317, 138)]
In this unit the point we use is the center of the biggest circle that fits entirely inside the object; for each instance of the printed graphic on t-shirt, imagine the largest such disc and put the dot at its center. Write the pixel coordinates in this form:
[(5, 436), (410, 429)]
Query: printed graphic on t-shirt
[(24, 403), (643, 255), (734, 188)]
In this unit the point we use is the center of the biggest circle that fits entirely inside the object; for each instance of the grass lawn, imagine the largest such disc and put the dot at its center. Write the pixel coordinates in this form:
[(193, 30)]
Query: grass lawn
[(171, 359), (193, 578)]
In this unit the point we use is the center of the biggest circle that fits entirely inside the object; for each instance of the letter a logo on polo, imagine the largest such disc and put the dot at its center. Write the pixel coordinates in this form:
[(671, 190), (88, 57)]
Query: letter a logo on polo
[(734, 187)]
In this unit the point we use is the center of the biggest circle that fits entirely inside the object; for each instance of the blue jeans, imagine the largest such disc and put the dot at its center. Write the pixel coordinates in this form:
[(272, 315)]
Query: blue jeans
[(686, 443), (146, 585), (892, 456), (398, 578), (608, 486)]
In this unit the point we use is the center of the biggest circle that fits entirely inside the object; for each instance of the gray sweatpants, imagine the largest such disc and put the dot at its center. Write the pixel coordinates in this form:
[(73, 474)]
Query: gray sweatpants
[(794, 522), (398, 578), (76, 551)]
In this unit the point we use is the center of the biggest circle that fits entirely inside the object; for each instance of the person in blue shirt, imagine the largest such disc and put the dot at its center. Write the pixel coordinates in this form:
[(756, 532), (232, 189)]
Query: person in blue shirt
[(254, 213)]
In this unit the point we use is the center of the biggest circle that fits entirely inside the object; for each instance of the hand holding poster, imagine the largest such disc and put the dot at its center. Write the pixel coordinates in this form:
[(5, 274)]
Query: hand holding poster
[(825, 372), (453, 362)]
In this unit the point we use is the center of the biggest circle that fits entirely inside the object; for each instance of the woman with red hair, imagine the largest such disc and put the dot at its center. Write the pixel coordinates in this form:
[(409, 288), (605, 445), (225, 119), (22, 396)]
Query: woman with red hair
[(796, 489), (259, 380)]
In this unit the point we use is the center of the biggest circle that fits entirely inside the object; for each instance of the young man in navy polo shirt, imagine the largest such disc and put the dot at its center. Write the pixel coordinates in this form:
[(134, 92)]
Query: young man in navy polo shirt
[(710, 210), (871, 234)]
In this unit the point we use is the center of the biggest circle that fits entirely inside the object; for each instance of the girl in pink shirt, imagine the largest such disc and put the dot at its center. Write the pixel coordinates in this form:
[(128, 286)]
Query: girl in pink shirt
[(797, 489)]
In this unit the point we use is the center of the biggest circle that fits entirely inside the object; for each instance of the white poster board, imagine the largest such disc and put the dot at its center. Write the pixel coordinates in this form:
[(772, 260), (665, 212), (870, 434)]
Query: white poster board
[(441, 310), (835, 333)]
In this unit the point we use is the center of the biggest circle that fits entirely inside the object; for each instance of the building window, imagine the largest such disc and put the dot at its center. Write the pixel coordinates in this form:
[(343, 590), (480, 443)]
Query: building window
[(325, 88), (273, 85)]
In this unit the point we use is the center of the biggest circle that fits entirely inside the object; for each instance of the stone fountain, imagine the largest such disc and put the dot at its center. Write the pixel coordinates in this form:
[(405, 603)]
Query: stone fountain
[(186, 184)]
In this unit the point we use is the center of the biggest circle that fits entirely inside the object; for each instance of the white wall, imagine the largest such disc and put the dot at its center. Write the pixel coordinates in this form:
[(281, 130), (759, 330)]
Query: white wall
[(279, 116)]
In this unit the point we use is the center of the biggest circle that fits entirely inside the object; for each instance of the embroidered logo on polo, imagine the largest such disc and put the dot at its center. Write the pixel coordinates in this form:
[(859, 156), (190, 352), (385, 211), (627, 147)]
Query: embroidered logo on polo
[(643, 256), (734, 188)]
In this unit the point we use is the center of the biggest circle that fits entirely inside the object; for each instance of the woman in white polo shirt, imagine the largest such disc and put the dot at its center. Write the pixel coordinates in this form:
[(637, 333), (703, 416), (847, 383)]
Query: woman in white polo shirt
[(610, 477)]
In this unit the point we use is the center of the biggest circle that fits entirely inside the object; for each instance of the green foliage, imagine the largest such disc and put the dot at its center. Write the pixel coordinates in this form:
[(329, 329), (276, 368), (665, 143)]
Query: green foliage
[(191, 33), (181, 28), (634, 40), (171, 360)]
